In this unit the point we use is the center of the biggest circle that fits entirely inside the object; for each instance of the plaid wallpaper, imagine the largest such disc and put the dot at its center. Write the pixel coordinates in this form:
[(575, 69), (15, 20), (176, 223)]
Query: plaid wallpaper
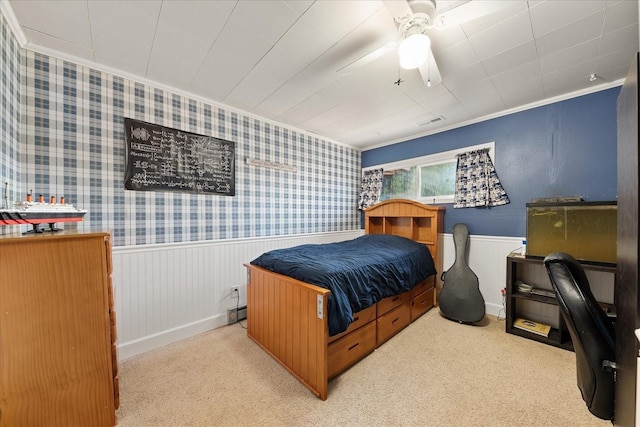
[(9, 116), (73, 146)]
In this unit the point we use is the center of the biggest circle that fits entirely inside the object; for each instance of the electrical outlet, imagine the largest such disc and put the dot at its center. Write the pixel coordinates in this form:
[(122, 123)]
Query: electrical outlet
[(235, 292)]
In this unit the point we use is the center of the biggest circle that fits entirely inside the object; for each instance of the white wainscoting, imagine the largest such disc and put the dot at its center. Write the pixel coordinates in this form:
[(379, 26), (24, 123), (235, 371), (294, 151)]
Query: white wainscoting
[(165, 293)]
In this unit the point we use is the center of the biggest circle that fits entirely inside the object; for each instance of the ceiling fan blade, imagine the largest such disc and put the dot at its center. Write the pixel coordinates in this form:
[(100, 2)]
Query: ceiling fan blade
[(367, 58), (429, 71), (398, 8), (469, 11)]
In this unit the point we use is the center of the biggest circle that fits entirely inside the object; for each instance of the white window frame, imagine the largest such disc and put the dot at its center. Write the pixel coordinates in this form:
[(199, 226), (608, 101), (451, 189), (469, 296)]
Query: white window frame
[(431, 160)]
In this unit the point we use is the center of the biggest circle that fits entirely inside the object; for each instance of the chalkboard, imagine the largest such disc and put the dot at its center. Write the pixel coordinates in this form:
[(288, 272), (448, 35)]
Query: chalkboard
[(166, 159)]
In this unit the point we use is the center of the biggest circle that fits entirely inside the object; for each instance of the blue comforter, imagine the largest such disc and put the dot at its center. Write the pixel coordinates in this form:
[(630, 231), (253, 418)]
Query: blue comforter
[(359, 272)]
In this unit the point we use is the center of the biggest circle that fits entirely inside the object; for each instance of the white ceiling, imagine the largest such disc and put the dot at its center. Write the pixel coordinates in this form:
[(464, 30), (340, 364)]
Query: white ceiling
[(279, 59)]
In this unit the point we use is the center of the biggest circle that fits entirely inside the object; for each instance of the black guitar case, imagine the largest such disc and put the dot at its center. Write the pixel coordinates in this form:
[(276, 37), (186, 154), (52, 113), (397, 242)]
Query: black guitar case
[(460, 299)]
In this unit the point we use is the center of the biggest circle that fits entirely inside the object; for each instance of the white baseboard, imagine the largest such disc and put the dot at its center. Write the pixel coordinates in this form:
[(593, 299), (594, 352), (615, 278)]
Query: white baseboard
[(161, 339)]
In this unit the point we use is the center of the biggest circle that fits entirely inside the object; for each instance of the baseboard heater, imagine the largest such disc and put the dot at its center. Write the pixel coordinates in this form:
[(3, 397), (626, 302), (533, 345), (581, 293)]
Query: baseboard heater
[(235, 314)]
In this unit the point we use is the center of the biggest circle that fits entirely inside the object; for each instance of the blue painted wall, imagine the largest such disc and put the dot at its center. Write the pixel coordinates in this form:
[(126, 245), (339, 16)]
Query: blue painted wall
[(562, 149)]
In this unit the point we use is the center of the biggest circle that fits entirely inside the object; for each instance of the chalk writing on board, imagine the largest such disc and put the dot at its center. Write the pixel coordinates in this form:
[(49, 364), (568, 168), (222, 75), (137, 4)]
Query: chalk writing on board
[(166, 159)]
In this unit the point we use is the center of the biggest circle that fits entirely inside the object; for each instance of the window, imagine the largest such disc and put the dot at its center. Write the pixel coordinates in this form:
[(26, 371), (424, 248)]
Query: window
[(426, 179), (438, 179), (399, 183)]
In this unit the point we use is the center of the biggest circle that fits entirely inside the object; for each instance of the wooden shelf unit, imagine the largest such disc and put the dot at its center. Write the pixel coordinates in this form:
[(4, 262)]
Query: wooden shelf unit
[(516, 270)]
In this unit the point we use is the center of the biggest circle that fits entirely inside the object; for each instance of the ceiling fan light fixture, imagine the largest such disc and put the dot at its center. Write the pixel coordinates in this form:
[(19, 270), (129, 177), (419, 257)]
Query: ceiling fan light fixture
[(414, 51)]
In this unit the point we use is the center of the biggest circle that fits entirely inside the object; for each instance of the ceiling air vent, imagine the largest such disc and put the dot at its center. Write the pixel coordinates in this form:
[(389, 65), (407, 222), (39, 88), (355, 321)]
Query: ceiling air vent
[(430, 121)]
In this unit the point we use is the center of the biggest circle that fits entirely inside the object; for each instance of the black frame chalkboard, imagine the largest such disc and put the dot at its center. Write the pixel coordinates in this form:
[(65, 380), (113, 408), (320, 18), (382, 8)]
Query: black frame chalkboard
[(159, 158)]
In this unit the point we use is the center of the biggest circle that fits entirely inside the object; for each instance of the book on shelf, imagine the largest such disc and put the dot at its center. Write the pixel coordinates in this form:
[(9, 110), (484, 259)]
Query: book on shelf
[(531, 326), (544, 292)]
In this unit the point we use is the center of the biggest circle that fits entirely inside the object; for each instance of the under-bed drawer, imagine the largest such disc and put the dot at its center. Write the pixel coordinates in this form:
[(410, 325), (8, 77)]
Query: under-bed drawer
[(359, 319), (393, 322), (349, 349), (389, 303), (421, 304), (427, 283)]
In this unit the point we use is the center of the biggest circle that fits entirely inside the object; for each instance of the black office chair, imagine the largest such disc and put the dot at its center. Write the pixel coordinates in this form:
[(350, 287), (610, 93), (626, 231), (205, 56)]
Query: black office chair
[(592, 333)]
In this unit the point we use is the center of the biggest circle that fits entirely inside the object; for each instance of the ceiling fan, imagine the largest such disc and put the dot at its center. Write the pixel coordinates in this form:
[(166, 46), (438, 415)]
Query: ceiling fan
[(414, 19)]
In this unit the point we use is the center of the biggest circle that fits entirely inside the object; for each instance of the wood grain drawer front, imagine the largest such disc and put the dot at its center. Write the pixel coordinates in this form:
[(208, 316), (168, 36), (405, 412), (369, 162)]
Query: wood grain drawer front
[(387, 304), (349, 349), (393, 322), (359, 319), (427, 283), (421, 304)]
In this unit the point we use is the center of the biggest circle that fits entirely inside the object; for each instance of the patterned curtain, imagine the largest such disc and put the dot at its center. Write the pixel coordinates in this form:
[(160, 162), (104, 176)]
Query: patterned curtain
[(477, 183), (371, 186)]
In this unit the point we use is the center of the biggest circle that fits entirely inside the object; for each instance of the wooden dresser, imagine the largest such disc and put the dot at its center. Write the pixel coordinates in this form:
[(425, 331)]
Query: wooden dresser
[(58, 363)]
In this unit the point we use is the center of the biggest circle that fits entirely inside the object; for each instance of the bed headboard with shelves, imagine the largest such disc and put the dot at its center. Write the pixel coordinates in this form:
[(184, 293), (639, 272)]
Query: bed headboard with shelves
[(410, 219)]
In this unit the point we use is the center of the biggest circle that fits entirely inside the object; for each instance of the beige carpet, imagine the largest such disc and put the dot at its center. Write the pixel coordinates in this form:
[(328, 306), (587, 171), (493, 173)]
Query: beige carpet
[(434, 373)]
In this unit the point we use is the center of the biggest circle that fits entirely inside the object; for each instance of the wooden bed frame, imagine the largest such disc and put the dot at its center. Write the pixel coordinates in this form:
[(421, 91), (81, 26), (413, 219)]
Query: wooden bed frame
[(288, 318)]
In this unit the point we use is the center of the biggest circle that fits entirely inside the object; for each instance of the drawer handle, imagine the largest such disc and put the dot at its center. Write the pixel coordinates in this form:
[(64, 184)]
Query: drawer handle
[(395, 320), (355, 319), (354, 346)]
